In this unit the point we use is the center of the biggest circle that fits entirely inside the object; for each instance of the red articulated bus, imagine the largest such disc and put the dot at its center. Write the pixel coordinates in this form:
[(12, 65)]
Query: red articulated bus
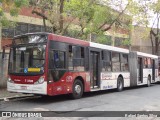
[(49, 64)]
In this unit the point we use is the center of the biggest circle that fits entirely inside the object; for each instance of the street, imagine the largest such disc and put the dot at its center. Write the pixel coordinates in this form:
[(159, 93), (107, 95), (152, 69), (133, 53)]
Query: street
[(131, 99)]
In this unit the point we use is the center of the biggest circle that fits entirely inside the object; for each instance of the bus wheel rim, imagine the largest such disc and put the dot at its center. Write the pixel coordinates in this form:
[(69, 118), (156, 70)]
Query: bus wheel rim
[(149, 82), (120, 84), (78, 89)]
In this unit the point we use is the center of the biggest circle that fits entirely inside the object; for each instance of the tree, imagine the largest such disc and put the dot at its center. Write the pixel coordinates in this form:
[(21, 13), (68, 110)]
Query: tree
[(11, 6), (143, 13), (50, 10), (155, 36), (78, 18), (155, 31)]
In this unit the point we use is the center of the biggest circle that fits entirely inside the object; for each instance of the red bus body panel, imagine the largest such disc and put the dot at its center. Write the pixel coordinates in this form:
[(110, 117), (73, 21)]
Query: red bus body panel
[(64, 85), (67, 40), (25, 79)]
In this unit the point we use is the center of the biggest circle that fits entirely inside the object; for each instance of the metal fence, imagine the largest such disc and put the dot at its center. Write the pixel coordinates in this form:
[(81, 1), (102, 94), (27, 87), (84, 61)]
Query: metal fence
[(3, 70)]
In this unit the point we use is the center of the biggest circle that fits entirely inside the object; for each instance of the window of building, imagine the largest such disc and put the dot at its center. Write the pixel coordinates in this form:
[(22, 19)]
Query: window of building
[(118, 41), (21, 28), (34, 28), (8, 32)]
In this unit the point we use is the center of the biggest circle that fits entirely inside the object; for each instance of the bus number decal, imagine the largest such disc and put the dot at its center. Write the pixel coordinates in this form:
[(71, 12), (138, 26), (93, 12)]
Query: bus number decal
[(59, 88), (107, 87), (69, 79), (105, 76)]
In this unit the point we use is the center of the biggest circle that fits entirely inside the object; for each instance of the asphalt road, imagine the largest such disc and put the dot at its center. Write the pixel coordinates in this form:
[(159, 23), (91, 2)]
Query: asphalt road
[(131, 99)]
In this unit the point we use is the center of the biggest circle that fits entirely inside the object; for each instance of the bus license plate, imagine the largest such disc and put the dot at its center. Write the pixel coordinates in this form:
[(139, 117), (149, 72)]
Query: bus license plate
[(24, 87)]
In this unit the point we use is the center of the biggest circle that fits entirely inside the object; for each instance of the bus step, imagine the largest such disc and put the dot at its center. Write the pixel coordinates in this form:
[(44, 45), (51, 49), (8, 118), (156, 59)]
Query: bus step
[(95, 89)]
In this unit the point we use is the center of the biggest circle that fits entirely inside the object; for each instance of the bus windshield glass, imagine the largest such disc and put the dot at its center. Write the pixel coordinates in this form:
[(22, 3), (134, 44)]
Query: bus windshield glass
[(30, 39), (27, 59)]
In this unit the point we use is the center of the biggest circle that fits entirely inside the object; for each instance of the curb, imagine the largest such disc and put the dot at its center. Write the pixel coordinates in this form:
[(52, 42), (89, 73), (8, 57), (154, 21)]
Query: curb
[(16, 97)]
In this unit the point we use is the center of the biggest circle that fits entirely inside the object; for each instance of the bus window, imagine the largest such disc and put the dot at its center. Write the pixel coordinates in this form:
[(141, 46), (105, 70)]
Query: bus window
[(106, 61), (23, 58), (115, 62), (145, 64), (149, 63), (124, 62), (78, 58), (70, 58), (57, 59), (159, 70), (82, 52)]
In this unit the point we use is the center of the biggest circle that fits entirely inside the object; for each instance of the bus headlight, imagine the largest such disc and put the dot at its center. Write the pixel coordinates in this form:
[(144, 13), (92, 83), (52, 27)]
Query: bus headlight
[(10, 80), (40, 80)]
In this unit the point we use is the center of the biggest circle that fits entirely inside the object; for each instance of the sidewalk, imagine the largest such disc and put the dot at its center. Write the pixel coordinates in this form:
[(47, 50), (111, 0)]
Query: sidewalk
[(5, 95)]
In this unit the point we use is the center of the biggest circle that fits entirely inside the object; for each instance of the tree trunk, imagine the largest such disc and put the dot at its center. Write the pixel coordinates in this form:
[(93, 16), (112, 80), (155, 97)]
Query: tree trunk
[(44, 20), (156, 46), (41, 14), (61, 16), (44, 24), (152, 42)]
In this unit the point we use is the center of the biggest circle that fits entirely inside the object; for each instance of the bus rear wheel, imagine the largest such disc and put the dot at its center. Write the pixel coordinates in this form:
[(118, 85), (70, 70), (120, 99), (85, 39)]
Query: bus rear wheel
[(119, 84), (77, 89)]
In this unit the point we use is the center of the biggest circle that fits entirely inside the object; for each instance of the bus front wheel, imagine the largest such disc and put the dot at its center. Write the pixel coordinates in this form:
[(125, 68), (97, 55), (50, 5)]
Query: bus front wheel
[(77, 89), (119, 84)]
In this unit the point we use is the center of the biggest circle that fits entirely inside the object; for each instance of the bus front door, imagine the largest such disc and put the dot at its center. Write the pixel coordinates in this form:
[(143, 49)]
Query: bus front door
[(94, 68)]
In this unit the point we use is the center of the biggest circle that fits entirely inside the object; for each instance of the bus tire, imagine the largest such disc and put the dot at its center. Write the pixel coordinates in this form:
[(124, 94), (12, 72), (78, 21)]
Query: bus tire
[(77, 89), (120, 84), (149, 81)]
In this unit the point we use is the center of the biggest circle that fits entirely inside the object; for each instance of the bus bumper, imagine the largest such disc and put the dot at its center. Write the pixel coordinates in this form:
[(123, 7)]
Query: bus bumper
[(28, 88)]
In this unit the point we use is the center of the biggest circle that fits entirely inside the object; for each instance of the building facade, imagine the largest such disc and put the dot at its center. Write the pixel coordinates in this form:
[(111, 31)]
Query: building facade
[(141, 40), (25, 22)]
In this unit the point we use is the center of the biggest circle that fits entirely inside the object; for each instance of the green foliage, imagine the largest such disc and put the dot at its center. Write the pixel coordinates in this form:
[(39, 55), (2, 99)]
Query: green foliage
[(20, 3), (1, 12), (103, 39), (126, 42), (91, 17), (101, 15), (155, 6), (11, 6), (72, 33), (6, 23), (14, 12)]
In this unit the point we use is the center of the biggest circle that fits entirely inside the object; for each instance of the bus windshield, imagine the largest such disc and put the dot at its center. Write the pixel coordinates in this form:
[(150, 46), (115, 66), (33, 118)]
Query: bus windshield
[(26, 59)]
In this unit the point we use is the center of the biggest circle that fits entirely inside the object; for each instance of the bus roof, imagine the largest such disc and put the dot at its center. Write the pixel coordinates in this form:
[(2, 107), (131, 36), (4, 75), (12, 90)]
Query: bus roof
[(107, 47), (75, 41), (67, 39), (146, 55), (35, 33)]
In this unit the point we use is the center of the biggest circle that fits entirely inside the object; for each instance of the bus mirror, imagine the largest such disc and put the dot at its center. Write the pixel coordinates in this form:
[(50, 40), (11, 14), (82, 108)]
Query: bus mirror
[(3, 53)]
